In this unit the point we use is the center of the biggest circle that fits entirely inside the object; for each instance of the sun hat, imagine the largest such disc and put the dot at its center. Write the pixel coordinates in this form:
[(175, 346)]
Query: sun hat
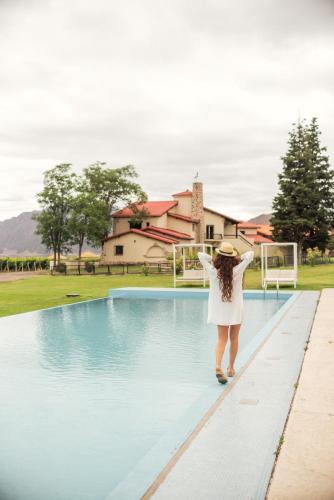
[(226, 249)]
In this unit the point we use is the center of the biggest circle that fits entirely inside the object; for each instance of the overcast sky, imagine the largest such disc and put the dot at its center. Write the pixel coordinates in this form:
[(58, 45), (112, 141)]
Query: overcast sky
[(170, 86)]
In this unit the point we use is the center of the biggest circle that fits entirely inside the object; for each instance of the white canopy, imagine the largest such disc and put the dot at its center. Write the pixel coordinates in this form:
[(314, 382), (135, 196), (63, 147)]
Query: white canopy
[(278, 276), (190, 275)]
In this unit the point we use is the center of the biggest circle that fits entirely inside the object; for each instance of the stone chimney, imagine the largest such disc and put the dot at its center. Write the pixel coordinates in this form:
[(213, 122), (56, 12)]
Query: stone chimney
[(197, 211)]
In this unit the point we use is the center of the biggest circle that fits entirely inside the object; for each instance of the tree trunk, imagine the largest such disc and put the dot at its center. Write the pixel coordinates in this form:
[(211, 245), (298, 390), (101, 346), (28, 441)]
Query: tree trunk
[(299, 252), (79, 254)]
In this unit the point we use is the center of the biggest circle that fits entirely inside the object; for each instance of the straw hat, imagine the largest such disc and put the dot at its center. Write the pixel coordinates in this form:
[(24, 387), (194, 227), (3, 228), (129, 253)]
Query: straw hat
[(226, 249)]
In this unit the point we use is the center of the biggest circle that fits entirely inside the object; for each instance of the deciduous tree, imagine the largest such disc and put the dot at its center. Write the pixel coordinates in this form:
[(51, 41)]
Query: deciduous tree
[(56, 200), (113, 186)]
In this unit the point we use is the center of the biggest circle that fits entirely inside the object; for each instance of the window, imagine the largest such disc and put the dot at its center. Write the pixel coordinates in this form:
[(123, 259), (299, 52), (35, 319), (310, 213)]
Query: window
[(209, 232), (119, 249), (134, 225), (147, 224)]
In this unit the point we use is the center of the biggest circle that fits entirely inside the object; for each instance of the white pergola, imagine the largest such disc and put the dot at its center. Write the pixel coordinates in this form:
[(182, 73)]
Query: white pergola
[(278, 276), (190, 275)]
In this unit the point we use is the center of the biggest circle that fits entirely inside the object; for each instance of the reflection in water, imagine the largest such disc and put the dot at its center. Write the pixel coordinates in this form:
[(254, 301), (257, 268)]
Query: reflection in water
[(96, 385)]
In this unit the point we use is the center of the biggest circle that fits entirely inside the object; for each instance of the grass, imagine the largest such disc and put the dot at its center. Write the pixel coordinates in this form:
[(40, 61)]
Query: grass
[(48, 291)]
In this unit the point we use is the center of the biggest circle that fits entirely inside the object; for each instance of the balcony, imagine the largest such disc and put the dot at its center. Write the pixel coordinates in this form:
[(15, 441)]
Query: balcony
[(214, 237)]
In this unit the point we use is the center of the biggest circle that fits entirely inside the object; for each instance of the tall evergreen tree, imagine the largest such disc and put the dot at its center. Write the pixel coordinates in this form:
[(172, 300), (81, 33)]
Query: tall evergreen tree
[(324, 189), (303, 209)]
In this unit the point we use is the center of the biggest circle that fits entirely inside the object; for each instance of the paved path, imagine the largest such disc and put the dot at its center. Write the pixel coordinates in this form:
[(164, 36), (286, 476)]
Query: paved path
[(232, 456), (305, 466), (14, 276)]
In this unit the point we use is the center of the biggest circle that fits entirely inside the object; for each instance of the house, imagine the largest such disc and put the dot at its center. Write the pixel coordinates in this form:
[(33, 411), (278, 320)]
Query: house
[(183, 219), (257, 233)]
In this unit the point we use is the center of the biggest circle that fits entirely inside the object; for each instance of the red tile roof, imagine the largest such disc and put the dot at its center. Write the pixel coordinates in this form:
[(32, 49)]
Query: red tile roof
[(146, 234), (154, 208), (247, 225), (183, 193), (182, 217), (265, 230), (258, 238), (168, 232)]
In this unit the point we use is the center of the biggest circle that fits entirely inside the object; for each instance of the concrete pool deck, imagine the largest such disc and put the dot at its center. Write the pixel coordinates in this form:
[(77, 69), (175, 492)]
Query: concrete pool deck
[(305, 465), (231, 453)]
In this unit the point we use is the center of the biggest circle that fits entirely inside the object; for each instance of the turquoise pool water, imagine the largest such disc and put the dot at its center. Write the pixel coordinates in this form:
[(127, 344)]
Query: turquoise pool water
[(87, 390)]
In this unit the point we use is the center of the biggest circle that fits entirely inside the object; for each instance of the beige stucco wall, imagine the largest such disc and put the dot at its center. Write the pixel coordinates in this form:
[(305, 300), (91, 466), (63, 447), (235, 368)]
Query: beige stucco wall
[(136, 248), (272, 251), (181, 226), (121, 224), (230, 229), (184, 205), (280, 251), (214, 220), (251, 230)]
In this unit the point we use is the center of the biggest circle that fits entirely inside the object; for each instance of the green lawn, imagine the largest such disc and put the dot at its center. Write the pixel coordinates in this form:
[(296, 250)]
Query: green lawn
[(47, 291)]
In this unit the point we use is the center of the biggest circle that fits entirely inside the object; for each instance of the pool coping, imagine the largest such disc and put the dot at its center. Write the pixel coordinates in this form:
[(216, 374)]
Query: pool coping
[(304, 468), (144, 478), (210, 466), (170, 290)]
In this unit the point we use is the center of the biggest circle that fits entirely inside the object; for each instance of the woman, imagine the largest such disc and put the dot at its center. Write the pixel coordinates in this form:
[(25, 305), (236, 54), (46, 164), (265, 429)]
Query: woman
[(225, 306)]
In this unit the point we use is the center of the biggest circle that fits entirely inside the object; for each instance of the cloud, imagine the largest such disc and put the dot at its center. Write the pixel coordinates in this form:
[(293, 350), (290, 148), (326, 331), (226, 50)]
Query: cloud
[(171, 87)]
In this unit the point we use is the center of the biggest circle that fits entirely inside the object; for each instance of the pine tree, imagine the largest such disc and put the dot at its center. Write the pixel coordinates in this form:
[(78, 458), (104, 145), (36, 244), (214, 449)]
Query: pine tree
[(303, 209), (324, 189)]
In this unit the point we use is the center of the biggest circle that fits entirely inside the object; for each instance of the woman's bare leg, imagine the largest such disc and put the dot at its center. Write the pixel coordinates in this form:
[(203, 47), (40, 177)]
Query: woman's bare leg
[(220, 346), (234, 343)]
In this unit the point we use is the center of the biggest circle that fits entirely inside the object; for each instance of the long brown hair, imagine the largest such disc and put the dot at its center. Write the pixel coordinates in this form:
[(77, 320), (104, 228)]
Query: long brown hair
[(224, 266)]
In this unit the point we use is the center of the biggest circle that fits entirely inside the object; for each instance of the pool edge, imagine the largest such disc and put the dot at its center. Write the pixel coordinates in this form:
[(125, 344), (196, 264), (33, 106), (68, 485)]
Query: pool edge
[(134, 485)]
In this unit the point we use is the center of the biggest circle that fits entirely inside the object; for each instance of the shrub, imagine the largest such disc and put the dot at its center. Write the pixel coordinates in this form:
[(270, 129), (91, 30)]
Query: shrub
[(89, 266), (312, 254), (60, 268), (178, 266), (145, 270)]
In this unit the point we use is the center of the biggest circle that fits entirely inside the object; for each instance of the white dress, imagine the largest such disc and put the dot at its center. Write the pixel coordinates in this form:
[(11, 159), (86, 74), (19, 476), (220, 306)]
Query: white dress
[(219, 312)]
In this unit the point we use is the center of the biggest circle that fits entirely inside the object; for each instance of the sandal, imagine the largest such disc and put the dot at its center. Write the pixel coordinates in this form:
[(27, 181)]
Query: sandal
[(230, 372), (221, 377)]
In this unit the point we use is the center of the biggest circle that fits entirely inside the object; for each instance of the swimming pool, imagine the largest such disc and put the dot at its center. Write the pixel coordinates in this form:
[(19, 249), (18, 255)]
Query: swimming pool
[(94, 391)]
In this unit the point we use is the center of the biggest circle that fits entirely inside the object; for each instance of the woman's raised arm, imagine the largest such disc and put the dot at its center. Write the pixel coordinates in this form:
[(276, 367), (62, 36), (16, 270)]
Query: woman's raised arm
[(246, 259)]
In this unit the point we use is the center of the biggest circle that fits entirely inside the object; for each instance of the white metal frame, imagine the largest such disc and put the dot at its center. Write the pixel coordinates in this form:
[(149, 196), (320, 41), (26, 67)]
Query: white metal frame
[(278, 276), (203, 278)]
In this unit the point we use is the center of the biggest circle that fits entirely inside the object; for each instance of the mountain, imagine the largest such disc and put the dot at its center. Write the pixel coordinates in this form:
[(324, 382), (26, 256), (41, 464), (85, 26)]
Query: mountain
[(261, 219), (18, 238)]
